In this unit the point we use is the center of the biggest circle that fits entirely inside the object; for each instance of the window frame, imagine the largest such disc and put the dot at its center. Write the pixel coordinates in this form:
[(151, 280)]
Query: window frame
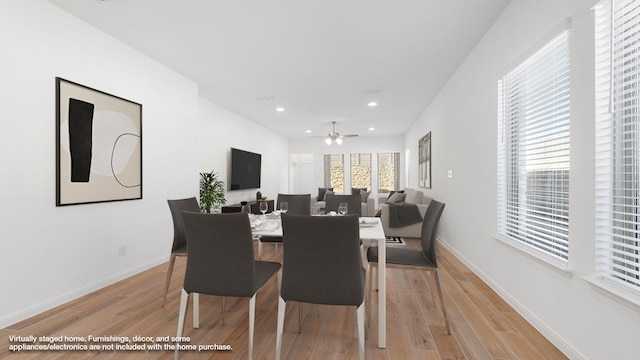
[(506, 161), (328, 174), (352, 174), (395, 155), (617, 149)]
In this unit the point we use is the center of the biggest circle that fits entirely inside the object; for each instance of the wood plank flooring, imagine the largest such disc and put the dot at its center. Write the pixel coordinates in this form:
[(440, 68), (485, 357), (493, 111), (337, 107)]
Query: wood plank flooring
[(483, 325)]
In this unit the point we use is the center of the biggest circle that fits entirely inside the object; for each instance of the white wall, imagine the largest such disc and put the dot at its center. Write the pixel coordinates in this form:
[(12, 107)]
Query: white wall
[(53, 254), (581, 321), (221, 130), (365, 144)]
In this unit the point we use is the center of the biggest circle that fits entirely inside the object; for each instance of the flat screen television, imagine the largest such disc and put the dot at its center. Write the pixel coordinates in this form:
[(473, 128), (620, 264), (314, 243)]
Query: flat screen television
[(245, 170)]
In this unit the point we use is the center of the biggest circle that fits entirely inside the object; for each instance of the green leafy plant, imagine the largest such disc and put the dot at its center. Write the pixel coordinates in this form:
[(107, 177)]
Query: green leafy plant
[(211, 191)]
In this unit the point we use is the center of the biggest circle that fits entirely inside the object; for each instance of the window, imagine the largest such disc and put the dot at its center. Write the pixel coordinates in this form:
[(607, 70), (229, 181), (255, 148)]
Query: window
[(533, 148), (618, 141), (334, 172), (388, 172), (361, 171)]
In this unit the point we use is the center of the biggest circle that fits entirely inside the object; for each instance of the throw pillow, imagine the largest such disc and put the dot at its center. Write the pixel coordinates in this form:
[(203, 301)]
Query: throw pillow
[(396, 198), (328, 192), (357, 191), (321, 192), (393, 192), (364, 195), (413, 196)]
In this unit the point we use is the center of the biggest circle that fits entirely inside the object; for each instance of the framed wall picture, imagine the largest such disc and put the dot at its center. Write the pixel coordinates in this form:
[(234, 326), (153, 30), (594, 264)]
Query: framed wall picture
[(424, 161), (98, 146)]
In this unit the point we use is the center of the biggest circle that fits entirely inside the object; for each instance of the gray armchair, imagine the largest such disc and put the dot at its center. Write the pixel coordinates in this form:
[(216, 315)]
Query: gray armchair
[(322, 265), (221, 262), (424, 259)]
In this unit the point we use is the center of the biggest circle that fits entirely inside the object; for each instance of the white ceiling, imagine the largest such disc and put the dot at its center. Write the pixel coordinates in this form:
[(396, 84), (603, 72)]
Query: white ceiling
[(321, 60)]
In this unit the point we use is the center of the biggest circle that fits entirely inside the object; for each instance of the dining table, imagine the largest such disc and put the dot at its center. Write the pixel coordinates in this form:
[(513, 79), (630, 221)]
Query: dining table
[(371, 232)]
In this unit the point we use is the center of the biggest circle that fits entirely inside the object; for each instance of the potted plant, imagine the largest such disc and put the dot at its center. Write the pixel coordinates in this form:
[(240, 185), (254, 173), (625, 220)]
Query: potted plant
[(211, 192)]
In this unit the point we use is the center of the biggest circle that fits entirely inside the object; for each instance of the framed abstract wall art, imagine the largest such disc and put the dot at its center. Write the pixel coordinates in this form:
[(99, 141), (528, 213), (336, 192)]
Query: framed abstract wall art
[(424, 161), (98, 146)]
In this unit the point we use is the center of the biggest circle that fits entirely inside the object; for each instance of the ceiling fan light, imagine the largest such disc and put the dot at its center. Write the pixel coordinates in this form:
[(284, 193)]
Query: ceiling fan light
[(328, 141), (339, 141)]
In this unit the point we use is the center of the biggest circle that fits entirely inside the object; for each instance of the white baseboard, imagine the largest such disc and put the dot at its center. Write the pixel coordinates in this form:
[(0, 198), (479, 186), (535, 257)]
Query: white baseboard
[(539, 325), (50, 304)]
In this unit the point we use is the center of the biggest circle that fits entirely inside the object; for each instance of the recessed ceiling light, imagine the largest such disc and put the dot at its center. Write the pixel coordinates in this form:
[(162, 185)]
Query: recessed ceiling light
[(371, 128), (373, 104), (280, 109), (308, 131)]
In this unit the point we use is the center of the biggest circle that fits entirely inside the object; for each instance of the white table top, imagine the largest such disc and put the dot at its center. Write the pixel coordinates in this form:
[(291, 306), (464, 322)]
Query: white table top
[(370, 227)]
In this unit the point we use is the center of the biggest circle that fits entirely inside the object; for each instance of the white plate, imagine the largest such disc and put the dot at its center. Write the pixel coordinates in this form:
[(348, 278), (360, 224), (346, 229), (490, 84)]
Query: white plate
[(367, 224)]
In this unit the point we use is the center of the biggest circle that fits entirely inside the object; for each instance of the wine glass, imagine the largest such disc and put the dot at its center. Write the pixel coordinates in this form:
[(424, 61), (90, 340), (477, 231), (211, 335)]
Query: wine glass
[(342, 208), (284, 207), (264, 206)]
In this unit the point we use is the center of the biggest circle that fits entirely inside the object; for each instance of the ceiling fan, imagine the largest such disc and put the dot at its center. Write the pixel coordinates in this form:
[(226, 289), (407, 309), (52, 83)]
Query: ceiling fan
[(335, 136)]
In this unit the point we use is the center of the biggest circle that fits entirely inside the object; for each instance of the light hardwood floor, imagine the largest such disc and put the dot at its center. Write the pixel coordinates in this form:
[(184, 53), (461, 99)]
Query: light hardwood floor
[(483, 325)]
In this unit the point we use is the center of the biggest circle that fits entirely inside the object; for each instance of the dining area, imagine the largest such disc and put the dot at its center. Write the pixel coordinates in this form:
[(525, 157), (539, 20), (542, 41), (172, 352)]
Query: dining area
[(322, 263), (420, 318)]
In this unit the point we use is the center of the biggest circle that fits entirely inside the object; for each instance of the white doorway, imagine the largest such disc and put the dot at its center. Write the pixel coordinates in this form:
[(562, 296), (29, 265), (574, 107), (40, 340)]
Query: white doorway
[(302, 174)]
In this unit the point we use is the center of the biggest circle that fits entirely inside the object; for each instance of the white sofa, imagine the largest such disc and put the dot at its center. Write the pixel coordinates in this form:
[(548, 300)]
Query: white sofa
[(410, 231)]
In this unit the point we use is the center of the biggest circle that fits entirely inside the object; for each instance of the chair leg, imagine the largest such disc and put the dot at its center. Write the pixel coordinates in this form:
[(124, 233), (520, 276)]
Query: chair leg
[(360, 314), (172, 260), (252, 316), (281, 309), (184, 301), (196, 310), (444, 311), (259, 249)]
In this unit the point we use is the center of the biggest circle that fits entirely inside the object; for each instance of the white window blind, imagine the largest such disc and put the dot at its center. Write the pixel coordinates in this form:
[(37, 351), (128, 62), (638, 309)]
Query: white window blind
[(618, 141), (533, 148)]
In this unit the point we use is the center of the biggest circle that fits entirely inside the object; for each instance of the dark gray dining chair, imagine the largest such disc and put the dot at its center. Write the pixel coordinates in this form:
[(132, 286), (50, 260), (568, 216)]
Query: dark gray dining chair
[(299, 204), (354, 202), (221, 262), (424, 258), (322, 265), (179, 247)]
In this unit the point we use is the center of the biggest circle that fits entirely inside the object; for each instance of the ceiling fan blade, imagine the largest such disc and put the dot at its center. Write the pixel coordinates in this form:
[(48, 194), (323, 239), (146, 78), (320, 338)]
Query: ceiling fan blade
[(333, 134)]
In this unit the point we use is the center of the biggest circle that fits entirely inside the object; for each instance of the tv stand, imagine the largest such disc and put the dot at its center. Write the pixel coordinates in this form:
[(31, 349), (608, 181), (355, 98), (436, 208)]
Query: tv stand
[(255, 207)]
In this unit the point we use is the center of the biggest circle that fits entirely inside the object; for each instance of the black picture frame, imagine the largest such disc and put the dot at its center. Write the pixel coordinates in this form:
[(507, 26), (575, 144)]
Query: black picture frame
[(98, 146)]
